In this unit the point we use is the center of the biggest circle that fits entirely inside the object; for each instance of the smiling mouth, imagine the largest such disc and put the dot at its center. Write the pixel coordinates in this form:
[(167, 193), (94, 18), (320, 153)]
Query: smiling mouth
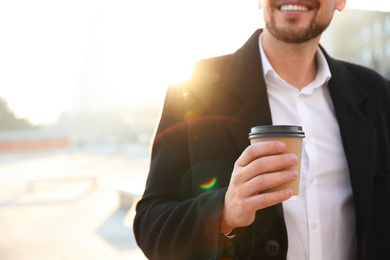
[(294, 8)]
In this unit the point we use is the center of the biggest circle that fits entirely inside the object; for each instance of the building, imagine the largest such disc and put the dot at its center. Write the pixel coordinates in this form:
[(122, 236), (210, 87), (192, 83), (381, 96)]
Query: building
[(361, 37)]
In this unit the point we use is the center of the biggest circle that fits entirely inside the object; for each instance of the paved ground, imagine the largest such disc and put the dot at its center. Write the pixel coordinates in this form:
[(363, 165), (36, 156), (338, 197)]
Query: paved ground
[(65, 205)]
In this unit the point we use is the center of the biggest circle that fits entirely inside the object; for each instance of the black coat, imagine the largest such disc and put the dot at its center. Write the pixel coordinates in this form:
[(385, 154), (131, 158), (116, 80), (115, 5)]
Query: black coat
[(203, 130)]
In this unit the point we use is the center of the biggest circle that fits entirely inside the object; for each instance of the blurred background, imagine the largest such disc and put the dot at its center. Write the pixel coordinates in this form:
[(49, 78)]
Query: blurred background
[(82, 83)]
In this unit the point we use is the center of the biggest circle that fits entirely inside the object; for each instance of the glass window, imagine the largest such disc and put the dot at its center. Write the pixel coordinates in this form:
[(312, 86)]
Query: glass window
[(387, 49), (365, 33), (377, 51), (387, 24), (377, 27), (366, 56)]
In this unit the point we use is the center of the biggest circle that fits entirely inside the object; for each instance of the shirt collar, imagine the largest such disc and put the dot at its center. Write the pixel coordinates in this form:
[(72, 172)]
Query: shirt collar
[(323, 72)]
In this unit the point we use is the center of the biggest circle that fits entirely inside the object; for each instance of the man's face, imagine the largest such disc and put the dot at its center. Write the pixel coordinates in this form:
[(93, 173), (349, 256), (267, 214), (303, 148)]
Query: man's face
[(298, 21)]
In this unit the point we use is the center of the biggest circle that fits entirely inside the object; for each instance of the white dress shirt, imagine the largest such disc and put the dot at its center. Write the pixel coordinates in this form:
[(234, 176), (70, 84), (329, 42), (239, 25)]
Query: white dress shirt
[(321, 221)]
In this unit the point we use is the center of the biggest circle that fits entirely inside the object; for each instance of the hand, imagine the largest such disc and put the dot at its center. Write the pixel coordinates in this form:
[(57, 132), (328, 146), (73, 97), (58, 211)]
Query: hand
[(260, 167)]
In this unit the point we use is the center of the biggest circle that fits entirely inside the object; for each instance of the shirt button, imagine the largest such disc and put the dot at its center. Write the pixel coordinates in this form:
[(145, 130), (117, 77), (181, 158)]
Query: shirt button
[(272, 248), (313, 225)]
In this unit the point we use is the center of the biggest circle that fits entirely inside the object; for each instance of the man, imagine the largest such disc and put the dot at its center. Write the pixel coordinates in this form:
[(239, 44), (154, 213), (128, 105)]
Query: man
[(204, 196)]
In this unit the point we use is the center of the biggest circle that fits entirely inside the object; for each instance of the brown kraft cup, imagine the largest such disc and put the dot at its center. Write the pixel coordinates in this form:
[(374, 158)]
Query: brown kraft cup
[(292, 136)]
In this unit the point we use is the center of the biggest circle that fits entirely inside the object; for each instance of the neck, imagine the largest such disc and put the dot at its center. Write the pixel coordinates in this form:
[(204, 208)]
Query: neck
[(295, 63)]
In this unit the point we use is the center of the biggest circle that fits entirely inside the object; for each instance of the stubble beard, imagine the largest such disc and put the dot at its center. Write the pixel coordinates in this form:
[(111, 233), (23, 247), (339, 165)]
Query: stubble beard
[(293, 34)]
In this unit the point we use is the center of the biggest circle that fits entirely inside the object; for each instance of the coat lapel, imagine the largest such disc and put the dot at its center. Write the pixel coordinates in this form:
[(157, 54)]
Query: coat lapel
[(244, 79), (358, 135)]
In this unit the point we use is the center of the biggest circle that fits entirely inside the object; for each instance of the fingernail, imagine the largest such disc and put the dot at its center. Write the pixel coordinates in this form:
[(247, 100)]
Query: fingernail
[(289, 192), (294, 159), (280, 146), (293, 174)]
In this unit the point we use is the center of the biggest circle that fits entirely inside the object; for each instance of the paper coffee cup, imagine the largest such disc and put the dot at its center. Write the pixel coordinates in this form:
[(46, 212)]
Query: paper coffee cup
[(292, 136)]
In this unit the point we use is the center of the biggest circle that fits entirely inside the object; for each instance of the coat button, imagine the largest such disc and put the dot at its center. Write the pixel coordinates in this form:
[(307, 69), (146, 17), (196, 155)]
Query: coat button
[(272, 248)]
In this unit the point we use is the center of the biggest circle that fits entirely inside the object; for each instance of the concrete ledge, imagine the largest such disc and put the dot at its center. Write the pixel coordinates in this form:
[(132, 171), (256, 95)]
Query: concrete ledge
[(130, 193)]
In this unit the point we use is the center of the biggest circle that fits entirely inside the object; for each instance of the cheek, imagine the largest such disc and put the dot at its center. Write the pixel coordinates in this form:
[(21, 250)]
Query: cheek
[(324, 15), (266, 15), (270, 14)]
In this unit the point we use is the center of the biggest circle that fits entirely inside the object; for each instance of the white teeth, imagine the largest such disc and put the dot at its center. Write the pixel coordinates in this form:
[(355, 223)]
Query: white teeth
[(294, 8)]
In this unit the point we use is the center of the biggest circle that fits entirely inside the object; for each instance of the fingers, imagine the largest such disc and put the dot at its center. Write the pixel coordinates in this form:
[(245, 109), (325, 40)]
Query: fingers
[(263, 165), (265, 200), (272, 163), (258, 150), (266, 181)]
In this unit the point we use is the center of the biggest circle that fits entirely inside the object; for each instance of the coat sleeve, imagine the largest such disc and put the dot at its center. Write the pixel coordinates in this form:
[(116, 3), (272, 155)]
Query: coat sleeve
[(172, 223)]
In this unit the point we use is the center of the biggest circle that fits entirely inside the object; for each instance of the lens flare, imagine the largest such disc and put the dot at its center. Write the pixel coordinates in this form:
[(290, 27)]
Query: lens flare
[(209, 184)]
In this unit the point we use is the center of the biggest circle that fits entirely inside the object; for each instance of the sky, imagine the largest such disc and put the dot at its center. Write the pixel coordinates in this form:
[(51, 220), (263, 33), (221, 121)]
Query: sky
[(49, 46)]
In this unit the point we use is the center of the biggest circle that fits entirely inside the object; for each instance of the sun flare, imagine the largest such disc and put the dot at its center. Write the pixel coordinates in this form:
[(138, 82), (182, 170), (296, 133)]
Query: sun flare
[(181, 73)]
